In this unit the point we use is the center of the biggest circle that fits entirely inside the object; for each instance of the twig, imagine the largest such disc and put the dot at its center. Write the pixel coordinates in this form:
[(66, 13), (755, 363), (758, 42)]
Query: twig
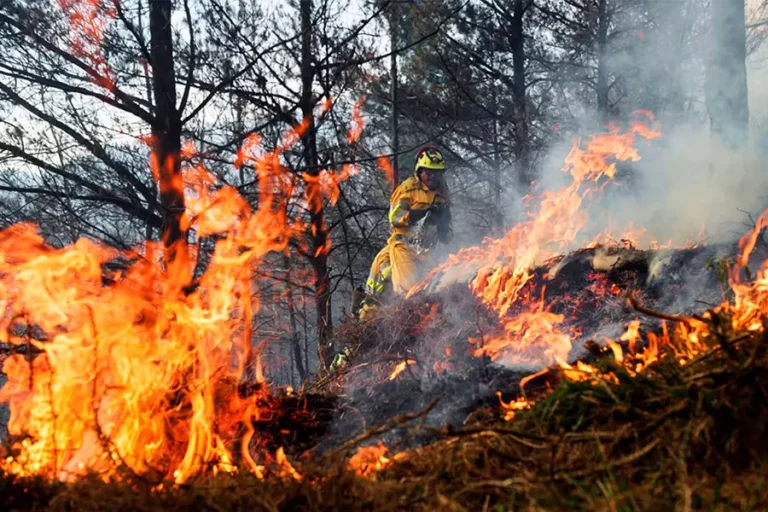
[(732, 343), (657, 314), (516, 435), (624, 460), (399, 421)]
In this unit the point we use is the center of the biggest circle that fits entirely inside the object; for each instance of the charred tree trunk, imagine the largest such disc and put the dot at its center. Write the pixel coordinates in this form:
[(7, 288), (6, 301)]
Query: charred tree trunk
[(395, 136), (166, 133), (319, 231), (726, 82), (602, 86), (520, 96)]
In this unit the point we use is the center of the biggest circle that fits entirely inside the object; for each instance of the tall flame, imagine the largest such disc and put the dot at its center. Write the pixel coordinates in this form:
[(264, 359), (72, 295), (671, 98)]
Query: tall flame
[(121, 365)]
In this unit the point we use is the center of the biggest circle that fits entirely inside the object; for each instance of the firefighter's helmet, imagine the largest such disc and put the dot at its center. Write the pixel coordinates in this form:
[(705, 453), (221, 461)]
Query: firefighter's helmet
[(429, 158)]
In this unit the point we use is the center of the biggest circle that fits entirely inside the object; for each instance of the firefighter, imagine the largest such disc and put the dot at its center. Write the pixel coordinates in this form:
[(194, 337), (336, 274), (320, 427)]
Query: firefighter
[(419, 218)]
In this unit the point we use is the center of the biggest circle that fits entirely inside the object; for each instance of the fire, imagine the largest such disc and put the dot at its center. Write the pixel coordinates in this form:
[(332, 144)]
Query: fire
[(511, 408), (368, 460), (357, 122), (286, 469), (138, 368), (386, 166), (88, 22), (400, 368), (691, 337), (531, 333)]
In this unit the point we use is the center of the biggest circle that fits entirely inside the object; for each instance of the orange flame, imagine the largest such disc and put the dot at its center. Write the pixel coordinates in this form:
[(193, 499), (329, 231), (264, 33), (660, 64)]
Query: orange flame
[(511, 408), (357, 122), (385, 165), (88, 22), (368, 460), (506, 264), (286, 469), (139, 367), (400, 368)]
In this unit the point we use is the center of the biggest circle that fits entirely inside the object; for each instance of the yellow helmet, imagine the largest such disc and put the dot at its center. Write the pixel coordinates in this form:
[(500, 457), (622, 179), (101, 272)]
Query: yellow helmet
[(429, 158)]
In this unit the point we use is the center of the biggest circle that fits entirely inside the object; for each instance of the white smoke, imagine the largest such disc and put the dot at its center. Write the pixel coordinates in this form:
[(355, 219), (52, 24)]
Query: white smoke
[(684, 182)]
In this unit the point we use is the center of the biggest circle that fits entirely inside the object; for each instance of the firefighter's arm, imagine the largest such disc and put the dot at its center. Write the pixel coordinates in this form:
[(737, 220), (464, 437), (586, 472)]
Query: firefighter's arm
[(444, 228), (400, 213)]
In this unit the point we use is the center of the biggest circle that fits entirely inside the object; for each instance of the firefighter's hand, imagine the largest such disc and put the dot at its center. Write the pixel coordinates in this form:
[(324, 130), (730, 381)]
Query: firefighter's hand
[(434, 213)]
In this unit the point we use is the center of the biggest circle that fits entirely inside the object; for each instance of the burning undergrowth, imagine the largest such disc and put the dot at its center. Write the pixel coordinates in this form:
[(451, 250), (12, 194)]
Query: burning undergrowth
[(668, 436), (419, 351), (174, 408)]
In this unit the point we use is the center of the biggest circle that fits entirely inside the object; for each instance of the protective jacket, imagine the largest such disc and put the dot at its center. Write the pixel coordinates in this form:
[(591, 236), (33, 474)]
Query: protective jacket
[(419, 216)]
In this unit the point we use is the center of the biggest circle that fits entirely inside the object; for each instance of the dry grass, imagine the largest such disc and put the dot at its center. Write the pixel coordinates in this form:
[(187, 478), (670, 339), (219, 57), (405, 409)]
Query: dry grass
[(676, 437)]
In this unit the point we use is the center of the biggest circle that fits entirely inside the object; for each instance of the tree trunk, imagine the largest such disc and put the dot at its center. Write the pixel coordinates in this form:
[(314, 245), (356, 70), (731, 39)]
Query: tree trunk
[(319, 230), (726, 82), (498, 218), (395, 135), (166, 136), (602, 70), (520, 97), (295, 345)]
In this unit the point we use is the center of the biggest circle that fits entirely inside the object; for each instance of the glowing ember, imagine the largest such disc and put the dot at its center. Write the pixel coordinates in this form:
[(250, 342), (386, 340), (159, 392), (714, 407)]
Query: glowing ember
[(368, 460), (400, 368)]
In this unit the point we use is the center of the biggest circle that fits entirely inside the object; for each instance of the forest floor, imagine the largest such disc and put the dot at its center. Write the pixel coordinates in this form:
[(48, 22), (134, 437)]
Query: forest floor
[(677, 434)]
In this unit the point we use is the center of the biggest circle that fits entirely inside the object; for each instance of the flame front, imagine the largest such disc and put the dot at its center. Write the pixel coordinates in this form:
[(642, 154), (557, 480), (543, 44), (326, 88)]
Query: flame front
[(119, 365)]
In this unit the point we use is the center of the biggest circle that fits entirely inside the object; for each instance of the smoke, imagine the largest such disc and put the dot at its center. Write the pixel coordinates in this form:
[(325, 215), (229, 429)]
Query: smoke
[(685, 181)]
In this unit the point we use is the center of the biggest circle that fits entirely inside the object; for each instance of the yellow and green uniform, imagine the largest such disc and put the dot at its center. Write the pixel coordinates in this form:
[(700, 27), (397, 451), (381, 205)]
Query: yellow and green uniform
[(411, 239), (419, 217), (399, 265)]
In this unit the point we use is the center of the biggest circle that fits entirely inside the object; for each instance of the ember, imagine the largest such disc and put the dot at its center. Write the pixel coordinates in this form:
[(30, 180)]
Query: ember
[(369, 459)]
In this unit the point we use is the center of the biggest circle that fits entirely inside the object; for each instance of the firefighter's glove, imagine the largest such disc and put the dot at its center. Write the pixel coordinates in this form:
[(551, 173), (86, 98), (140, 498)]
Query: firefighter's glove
[(434, 214), (341, 358), (417, 215)]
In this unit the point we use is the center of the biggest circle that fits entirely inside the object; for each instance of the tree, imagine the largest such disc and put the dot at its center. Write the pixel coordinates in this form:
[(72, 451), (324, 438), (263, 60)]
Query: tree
[(166, 131), (726, 82)]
